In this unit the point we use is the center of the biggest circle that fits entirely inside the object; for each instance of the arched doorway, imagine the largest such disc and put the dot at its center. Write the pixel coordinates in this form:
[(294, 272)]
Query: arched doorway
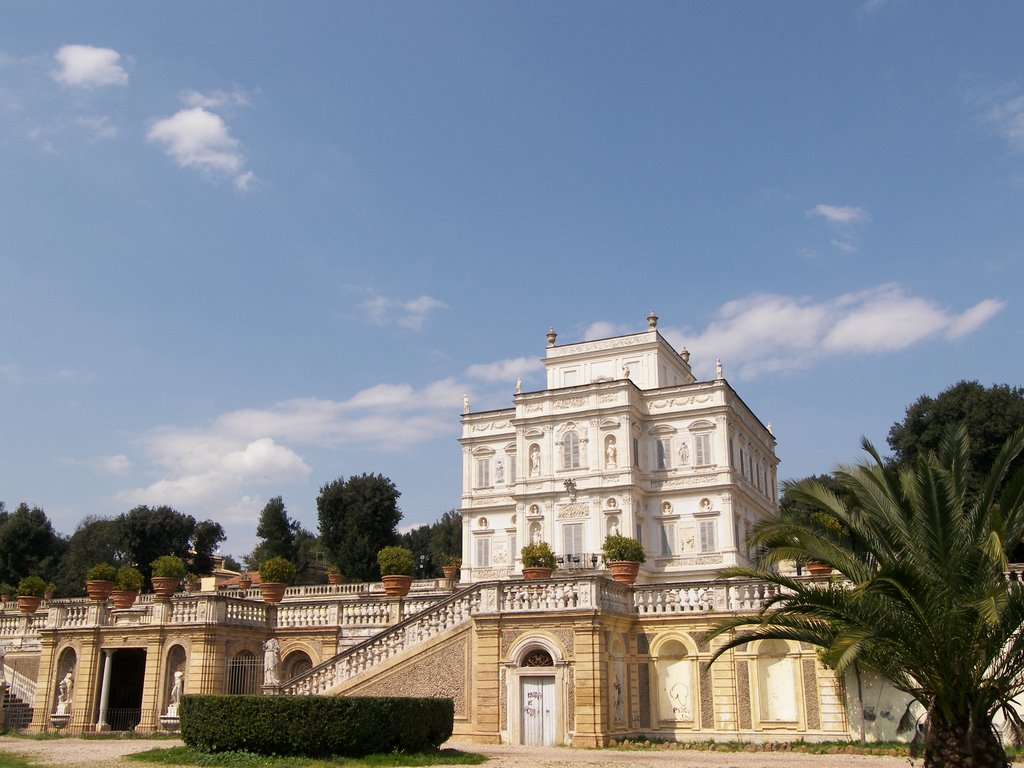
[(127, 675), (536, 693)]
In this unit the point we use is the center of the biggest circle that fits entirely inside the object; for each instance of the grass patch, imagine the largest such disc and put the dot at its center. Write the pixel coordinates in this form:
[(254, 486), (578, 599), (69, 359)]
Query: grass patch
[(189, 756), (13, 761)]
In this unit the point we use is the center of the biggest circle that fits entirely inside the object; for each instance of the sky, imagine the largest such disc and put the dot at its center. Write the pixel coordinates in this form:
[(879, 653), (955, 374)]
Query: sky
[(247, 248)]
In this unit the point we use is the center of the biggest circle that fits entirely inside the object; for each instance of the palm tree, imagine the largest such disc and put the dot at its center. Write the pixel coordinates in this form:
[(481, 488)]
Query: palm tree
[(921, 593)]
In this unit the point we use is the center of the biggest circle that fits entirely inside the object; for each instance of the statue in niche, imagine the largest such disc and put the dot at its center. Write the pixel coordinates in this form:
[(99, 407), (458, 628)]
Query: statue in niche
[(176, 692), (499, 471), (689, 539), (534, 461), (271, 660), (535, 534), (684, 453), (611, 454), (613, 526), (64, 691)]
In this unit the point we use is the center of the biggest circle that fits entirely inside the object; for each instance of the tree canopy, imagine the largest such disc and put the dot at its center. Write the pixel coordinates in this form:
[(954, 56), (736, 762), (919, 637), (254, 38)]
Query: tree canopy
[(358, 517), (28, 544), (926, 601)]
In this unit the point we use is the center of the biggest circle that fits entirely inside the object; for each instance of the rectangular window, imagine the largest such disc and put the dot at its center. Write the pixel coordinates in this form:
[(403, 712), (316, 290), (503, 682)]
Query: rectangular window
[(667, 538), (572, 539), (708, 538), (732, 453), (636, 451), (483, 552), (483, 473), (702, 450), (663, 453)]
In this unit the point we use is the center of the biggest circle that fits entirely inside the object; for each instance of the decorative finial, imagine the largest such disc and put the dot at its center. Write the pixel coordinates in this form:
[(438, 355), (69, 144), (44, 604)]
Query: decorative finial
[(652, 320), (685, 354), (551, 337), (465, 403), (519, 384), (718, 368)]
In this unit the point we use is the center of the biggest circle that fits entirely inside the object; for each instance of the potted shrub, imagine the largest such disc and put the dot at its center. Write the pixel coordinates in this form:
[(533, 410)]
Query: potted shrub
[(30, 594), (395, 570), (167, 573), (126, 586), (333, 574), (192, 582), (451, 565), (50, 589), (99, 581), (245, 580), (623, 555), (538, 560), (275, 576), (6, 590)]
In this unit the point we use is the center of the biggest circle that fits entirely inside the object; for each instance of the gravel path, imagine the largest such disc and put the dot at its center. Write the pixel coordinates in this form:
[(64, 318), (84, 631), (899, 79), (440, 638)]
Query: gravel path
[(107, 753)]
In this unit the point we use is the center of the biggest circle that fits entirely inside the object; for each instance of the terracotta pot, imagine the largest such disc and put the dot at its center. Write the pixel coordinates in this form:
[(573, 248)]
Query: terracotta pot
[(98, 589), (245, 582), (164, 587), (333, 577), (272, 591), (451, 572), (818, 569), (624, 571), (124, 598), (191, 586), (29, 603), (537, 572), (396, 585)]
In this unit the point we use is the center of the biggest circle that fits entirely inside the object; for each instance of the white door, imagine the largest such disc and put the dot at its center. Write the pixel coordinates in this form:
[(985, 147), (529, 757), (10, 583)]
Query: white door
[(537, 701)]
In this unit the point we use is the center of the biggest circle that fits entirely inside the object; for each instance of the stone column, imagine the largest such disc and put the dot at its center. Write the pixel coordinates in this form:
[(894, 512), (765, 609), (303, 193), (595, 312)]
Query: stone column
[(108, 661)]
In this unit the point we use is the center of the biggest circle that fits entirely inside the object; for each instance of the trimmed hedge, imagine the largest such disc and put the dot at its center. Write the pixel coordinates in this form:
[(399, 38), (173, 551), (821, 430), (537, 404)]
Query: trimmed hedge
[(315, 726)]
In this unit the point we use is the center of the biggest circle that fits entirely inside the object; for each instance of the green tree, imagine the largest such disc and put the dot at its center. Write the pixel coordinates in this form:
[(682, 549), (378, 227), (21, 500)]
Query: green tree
[(358, 517), (926, 601), (277, 534), (206, 537), (990, 415), (446, 537), (95, 540), (28, 545), (417, 541)]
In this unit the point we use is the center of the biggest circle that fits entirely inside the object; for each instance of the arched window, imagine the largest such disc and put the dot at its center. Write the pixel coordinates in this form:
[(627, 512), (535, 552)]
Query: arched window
[(674, 668), (571, 450), (776, 681)]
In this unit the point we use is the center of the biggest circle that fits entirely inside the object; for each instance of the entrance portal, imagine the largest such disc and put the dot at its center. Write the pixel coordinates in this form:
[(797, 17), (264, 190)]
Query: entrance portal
[(537, 704), (127, 675)]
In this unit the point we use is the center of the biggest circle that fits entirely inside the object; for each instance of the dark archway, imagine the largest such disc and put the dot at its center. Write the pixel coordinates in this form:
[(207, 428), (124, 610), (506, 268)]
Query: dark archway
[(127, 676)]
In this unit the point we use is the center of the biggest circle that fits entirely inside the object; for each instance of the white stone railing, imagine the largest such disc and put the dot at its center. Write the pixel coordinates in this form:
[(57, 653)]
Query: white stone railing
[(245, 612), (418, 628)]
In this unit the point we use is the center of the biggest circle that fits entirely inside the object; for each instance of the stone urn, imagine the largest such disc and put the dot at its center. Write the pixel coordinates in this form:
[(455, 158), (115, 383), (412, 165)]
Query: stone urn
[(396, 585), (29, 604), (537, 572), (451, 572), (334, 577), (272, 591), (124, 598), (98, 589), (244, 582), (624, 571)]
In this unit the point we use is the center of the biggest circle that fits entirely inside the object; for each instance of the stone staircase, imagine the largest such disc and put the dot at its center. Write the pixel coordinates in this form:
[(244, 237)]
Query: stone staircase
[(17, 713)]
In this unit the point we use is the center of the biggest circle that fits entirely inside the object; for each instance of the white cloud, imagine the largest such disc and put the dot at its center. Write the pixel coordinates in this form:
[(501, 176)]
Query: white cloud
[(839, 214), (505, 370), (602, 329), (215, 99), (197, 138), (100, 126), (766, 333), (85, 66), (412, 314), (1007, 118), (844, 246), (260, 446), (115, 464)]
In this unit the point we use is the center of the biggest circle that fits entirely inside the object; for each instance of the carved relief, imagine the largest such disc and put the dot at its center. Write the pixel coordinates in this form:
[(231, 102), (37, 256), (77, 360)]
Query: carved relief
[(573, 511), (570, 402)]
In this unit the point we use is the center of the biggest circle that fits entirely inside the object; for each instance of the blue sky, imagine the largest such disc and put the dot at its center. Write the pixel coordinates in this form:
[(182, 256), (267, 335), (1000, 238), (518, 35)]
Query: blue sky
[(247, 248)]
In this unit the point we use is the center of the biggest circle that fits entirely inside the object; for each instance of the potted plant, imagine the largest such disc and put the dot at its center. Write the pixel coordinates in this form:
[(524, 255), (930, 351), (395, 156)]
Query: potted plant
[(623, 555), (127, 586), (538, 560), (192, 582), (51, 588), (451, 565), (6, 590), (333, 575), (167, 573), (99, 581), (244, 580), (275, 576), (395, 570), (30, 594)]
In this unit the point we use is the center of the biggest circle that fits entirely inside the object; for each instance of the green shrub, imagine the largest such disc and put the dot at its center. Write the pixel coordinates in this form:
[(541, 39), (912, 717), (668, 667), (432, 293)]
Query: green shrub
[(395, 561), (128, 579), (538, 556), (315, 726), (101, 572), (32, 586), (618, 547), (6, 589), (168, 566), (452, 560), (277, 570)]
